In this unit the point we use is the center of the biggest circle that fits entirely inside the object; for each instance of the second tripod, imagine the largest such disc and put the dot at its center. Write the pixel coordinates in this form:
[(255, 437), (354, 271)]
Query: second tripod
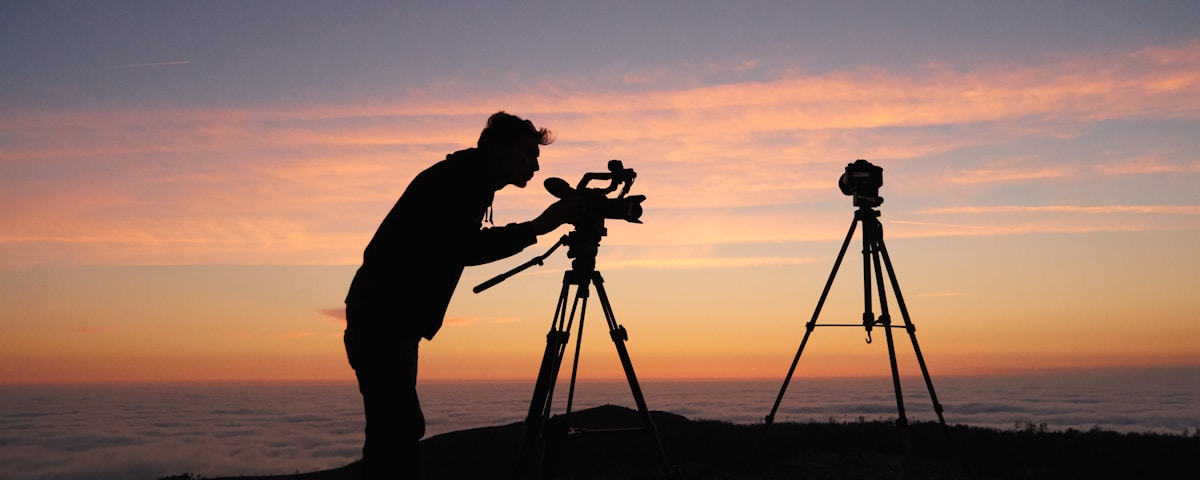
[(874, 253)]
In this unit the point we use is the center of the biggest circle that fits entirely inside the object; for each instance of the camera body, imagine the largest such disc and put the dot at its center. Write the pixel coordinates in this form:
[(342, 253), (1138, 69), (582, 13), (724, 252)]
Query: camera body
[(862, 181), (597, 204)]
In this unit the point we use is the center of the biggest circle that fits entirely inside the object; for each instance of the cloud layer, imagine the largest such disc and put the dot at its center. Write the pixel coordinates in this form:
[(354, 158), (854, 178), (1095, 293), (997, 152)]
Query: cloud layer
[(139, 432)]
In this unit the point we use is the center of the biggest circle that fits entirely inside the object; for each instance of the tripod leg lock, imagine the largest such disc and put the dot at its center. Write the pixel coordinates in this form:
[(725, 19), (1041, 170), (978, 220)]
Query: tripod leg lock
[(885, 320), (557, 337), (619, 334)]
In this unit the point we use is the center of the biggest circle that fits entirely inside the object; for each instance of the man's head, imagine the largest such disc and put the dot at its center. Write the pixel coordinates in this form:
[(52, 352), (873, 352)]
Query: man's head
[(511, 143)]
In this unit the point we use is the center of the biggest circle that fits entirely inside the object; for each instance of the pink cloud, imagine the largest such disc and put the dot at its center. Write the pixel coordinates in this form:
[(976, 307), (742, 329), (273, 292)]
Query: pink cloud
[(281, 185), (158, 64), (1019, 174), (338, 312), (1146, 165), (1096, 209), (466, 321), (940, 294), (96, 330), (686, 263)]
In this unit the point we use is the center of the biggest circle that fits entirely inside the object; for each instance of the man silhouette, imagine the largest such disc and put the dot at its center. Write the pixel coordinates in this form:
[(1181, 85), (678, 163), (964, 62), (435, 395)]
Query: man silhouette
[(411, 267)]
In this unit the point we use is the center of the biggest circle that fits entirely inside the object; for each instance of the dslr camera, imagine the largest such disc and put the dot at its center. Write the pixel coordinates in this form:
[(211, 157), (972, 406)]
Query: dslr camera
[(862, 181)]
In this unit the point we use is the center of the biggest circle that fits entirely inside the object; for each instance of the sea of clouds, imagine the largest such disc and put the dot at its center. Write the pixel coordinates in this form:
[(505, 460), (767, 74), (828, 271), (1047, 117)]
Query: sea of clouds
[(144, 432)]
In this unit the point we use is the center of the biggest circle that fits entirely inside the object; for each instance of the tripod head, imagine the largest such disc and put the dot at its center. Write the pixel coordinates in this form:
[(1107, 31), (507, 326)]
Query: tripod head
[(583, 243), (866, 212)]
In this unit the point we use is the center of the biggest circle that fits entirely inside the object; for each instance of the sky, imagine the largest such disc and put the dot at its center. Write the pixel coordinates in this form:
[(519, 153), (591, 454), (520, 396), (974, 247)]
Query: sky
[(186, 187)]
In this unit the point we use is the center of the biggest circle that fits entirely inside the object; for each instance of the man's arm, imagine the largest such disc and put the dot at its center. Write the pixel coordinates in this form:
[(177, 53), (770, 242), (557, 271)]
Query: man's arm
[(495, 243), (490, 244)]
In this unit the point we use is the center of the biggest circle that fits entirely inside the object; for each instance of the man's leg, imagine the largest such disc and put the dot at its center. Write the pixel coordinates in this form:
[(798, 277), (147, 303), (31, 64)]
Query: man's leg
[(386, 368)]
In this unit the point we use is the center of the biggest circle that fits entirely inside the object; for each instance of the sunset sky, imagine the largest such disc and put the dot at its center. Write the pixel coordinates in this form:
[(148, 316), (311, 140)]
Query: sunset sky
[(186, 187)]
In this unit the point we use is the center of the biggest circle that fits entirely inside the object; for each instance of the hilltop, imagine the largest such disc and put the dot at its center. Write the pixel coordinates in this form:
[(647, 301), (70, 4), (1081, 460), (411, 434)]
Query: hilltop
[(701, 449)]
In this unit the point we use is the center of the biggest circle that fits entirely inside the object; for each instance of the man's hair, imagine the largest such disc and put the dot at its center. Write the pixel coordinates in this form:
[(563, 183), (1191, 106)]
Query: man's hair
[(503, 130)]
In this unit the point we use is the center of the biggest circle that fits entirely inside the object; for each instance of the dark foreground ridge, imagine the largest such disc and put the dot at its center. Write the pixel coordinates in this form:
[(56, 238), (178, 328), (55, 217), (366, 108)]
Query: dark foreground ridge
[(856, 450)]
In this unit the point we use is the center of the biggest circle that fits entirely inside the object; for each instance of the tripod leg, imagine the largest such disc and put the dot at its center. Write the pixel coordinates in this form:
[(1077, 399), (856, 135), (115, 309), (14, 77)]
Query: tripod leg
[(619, 336), (912, 334), (543, 390), (558, 426), (885, 320), (812, 323), (581, 296)]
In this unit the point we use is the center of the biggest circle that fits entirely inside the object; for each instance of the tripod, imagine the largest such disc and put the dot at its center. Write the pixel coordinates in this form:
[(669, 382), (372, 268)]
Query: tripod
[(873, 251), (544, 433)]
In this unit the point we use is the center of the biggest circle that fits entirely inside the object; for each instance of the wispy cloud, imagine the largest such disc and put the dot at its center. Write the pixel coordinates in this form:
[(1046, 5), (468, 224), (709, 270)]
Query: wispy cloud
[(1100, 209), (992, 175), (307, 184), (1147, 165), (708, 262), (1034, 219), (97, 330), (157, 64), (467, 321), (337, 313), (940, 294)]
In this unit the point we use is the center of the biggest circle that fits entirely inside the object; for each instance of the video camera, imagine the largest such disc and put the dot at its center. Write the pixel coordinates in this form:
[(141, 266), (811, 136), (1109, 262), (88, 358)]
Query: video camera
[(584, 241), (597, 204)]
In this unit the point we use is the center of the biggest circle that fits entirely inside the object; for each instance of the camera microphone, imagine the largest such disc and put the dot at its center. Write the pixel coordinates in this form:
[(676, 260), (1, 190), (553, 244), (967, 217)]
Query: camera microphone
[(558, 187)]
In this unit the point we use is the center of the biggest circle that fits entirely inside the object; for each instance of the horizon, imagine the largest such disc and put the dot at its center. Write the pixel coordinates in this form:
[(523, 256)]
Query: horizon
[(186, 189), (905, 378)]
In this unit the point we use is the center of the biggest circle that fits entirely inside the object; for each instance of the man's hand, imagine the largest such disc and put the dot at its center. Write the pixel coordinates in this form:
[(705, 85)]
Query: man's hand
[(563, 211)]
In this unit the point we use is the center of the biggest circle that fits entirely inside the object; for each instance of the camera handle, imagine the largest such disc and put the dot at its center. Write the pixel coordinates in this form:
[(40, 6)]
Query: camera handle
[(617, 175)]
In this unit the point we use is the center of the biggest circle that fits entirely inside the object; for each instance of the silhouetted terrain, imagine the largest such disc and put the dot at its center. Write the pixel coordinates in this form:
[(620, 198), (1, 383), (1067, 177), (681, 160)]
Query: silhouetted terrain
[(859, 450)]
